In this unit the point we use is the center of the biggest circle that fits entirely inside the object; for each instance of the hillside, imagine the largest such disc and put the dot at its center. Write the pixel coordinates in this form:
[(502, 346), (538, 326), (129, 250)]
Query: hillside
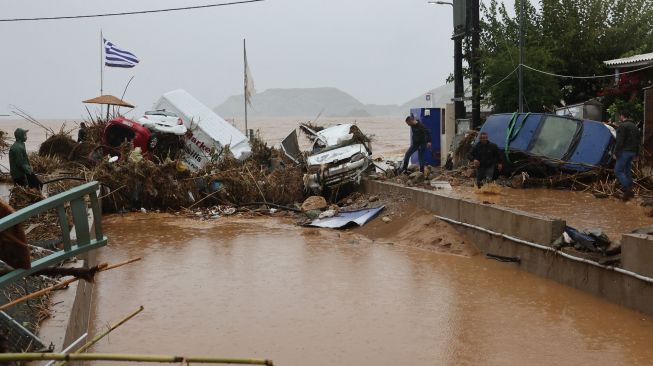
[(330, 102)]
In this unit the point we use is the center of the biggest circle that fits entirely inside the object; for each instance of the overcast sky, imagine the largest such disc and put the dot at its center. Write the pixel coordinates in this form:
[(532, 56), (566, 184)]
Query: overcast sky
[(379, 51)]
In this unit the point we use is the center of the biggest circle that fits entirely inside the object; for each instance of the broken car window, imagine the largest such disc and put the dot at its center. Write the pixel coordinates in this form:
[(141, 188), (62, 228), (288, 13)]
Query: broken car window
[(555, 137)]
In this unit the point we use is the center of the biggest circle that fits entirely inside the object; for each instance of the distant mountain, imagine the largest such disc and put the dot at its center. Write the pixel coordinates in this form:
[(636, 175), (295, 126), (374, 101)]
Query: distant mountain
[(330, 102)]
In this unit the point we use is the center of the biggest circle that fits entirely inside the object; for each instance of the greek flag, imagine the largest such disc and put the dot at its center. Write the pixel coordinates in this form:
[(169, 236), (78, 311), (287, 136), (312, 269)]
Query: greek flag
[(115, 57)]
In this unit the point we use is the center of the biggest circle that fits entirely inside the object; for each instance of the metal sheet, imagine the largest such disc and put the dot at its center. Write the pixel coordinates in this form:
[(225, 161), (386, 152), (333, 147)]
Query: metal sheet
[(342, 219)]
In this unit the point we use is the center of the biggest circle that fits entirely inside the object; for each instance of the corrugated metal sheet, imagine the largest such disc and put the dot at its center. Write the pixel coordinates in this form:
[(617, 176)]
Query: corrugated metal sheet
[(637, 60)]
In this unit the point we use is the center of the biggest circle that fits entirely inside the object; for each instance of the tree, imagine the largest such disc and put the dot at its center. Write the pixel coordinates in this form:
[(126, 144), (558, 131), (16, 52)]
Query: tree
[(563, 37)]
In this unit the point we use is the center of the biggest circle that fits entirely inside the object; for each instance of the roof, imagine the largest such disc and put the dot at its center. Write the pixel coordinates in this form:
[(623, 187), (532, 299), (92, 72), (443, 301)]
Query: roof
[(108, 99), (632, 61)]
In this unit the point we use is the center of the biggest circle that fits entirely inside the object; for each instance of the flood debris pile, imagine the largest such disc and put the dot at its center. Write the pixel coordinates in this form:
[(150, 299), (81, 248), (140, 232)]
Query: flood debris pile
[(162, 180), (527, 171), (591, 243)]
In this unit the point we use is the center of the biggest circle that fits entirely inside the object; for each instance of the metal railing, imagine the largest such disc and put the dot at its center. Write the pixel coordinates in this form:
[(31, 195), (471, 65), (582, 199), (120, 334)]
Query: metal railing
[(76, 197)]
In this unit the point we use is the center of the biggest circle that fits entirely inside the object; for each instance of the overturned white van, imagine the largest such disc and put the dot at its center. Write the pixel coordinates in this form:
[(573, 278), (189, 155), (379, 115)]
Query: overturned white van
[(207, 133)]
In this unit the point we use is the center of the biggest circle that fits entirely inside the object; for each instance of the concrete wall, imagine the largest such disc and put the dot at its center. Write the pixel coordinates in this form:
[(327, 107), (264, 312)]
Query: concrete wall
[(523, 225), (637, 253), (71, 312), (622, 289)]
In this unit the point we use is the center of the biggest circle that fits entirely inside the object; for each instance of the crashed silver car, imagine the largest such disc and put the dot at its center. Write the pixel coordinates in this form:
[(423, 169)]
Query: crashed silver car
[(339, 155)]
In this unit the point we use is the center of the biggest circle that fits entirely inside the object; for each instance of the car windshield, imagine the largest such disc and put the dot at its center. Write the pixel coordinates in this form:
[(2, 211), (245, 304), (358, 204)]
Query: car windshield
[(160, 113), (555, 137)]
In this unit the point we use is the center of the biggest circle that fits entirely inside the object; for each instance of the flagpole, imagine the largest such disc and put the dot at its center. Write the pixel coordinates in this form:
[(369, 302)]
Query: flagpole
[(101, 62), (245, 82)]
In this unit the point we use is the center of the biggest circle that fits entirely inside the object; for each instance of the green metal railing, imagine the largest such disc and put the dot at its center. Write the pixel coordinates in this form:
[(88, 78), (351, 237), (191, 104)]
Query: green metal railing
[(76, 197)]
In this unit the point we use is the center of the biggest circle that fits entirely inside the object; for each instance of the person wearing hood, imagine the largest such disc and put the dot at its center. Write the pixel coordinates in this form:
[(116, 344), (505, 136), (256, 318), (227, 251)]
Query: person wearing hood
[(19, 166)]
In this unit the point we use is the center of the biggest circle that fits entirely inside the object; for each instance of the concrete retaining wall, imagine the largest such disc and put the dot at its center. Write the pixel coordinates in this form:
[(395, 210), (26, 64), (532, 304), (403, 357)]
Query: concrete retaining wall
[(523, 225), (622, 289), (637, 253), (71, 312)]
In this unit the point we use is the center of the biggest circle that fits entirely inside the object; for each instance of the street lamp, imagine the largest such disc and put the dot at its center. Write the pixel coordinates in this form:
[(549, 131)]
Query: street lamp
[(459, 90)]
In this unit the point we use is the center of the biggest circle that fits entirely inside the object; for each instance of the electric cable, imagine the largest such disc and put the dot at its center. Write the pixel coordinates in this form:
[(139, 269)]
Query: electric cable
[(585, 77), (506, 77), (129, 12)]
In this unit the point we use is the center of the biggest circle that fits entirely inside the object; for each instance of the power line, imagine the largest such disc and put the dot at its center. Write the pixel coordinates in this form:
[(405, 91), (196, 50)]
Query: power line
[(585, 77), (504, 79), (129, 12)]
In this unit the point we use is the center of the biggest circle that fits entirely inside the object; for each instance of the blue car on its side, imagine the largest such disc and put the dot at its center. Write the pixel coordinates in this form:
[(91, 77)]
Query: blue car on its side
[(568, 142)]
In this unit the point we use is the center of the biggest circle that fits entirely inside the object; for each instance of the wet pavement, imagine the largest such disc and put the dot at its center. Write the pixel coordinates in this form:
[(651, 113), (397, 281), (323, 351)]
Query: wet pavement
[(265, 288)]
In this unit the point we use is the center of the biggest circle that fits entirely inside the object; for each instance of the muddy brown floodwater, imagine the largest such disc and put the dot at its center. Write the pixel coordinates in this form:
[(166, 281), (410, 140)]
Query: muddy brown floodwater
[(266, 288)]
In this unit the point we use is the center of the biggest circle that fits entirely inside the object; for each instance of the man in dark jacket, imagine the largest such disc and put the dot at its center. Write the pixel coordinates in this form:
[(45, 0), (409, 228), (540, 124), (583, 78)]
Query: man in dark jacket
[(486, 157), (420, 141), (625, 150), (19, 166)]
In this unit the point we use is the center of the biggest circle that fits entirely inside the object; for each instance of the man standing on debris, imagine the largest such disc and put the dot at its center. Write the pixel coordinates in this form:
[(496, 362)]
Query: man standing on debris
[(486, 157), (81, 134), (19, 166), (625, 151), (420, 141)]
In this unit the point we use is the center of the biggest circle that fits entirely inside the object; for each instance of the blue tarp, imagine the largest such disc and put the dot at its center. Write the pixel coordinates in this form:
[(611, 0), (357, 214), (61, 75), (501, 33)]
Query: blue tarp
[(342, 219)]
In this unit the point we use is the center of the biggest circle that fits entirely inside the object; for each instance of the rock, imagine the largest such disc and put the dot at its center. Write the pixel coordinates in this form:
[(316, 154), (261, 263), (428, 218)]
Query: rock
[(229, 211), (313, 214), (143, 210), (326, 214), (416, 175), (334, 207), (386, 219), (373, 199), (314, 203)]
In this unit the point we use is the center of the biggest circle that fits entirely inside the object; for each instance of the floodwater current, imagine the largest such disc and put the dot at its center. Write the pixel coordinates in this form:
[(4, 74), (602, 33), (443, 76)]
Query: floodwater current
[(265, 288)]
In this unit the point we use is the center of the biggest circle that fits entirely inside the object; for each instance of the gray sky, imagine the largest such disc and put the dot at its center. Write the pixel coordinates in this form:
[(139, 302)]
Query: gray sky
[(379, 51)]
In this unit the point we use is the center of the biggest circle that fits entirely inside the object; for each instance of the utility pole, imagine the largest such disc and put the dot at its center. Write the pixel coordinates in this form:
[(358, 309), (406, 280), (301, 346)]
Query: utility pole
[(521, 57), (457, 37), (475, 64)]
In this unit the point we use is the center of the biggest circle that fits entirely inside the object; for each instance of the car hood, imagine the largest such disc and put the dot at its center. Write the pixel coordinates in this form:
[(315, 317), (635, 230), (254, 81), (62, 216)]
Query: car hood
[(336, 135), (341, 153)]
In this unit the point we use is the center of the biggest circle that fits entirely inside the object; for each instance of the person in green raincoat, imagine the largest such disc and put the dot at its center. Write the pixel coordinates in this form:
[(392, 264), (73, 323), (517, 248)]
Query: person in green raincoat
[(19, 166)]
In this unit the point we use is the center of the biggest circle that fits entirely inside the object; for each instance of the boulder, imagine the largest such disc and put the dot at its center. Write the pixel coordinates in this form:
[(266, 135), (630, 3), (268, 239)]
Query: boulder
[(314, 203)]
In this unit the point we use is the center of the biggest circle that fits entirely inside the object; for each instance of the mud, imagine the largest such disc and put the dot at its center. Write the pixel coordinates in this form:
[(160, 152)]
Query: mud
[(267, 288)]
